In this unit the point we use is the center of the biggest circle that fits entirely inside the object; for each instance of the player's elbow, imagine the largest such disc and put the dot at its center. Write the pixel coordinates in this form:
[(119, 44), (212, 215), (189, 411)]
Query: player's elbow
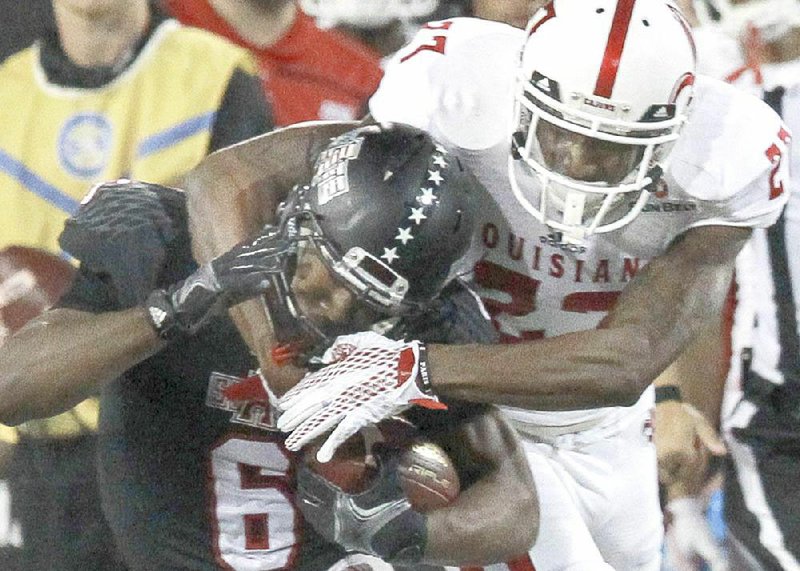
[(627, 388), (515, 532)]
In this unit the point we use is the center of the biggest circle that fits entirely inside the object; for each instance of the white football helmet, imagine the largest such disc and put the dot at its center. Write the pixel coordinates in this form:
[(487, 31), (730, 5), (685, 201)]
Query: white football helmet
[(772, 18), (603, 91), (366, 13)]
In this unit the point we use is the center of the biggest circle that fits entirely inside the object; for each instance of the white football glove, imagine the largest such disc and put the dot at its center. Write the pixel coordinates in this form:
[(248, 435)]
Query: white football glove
[(369, 379), (689, 536)]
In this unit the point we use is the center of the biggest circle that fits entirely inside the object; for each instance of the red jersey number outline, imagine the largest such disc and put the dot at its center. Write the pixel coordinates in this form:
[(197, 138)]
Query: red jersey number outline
[(438, 44), (254, 485), (522, 291), (775, 155)]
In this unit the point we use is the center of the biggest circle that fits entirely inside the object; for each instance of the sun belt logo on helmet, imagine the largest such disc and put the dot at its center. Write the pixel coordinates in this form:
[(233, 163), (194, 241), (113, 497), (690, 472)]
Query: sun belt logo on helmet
[(330, 177)]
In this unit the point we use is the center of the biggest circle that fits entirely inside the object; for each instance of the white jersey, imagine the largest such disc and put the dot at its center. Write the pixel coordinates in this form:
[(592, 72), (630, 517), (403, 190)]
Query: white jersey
[(456, 81), (719, 55)]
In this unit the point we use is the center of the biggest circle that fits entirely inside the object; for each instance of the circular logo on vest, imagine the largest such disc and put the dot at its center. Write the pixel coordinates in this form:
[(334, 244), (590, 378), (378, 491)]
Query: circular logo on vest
[(84, 144)]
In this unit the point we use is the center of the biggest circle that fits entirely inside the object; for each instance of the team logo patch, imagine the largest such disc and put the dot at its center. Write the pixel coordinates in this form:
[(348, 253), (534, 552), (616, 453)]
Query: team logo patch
[(256, 414), (84, 144), (330, 177)]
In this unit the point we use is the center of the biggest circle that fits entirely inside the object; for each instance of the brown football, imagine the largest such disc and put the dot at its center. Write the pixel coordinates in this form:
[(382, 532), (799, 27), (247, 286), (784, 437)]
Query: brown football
[(31, 281), (350, 469), (427, 475)]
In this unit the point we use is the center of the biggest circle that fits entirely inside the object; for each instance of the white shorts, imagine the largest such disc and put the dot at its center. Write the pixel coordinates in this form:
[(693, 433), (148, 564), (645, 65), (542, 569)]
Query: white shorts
[(598, 495)]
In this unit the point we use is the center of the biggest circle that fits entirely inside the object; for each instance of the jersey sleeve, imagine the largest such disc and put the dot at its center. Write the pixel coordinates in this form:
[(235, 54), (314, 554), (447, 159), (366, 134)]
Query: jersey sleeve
[(454, 80), (734, 158)]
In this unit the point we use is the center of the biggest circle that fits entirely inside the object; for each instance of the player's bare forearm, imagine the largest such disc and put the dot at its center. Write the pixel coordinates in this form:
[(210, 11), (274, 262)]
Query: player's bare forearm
[(63, 356), (496, 518), (700, 370), (654, 320), (254, 325), (233, 192)]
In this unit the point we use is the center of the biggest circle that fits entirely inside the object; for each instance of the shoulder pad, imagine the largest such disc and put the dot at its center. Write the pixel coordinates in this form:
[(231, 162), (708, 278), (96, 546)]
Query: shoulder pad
[(455, 80), (730, 153)]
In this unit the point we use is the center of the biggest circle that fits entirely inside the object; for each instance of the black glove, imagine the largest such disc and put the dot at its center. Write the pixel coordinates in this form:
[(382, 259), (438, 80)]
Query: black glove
[(378, 521), (122, 230), (241, 273)]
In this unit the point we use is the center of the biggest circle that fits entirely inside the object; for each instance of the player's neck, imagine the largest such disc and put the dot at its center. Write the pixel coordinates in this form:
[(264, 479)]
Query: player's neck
[(785, 49), (259, 23), (93, 39)]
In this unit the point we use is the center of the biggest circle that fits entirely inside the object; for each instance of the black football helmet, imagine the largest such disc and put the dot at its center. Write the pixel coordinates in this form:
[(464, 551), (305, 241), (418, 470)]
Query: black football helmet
[(390, 212)]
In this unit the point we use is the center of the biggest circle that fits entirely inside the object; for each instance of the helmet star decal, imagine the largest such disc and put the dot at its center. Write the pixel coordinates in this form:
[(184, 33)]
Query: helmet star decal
[(390, 255), (416, 215), (427, 197), (404, 235), (435, 177)]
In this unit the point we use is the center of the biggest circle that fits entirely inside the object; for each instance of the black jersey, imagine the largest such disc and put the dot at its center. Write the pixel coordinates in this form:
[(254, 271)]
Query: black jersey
[(190, 480)]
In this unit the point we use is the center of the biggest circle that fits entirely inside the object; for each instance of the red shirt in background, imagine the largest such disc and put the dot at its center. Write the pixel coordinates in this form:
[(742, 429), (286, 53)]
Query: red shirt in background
[(309, 74)]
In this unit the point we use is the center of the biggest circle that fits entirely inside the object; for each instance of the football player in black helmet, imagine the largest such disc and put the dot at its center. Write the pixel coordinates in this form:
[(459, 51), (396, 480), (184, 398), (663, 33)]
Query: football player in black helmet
[(182, 457), (390, 215)]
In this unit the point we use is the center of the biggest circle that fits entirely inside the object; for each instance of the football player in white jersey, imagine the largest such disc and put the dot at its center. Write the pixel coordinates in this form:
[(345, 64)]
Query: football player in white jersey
[(758, 413), (622, 191)]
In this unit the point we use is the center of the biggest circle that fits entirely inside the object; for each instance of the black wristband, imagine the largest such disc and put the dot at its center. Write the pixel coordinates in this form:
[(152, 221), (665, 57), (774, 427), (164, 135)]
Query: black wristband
[(161, 315), (423, 377), (668, 392)]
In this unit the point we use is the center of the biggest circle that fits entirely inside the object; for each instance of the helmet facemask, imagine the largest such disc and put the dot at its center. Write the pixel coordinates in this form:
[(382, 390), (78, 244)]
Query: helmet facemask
[(595, 172), (368, 278), (378, 291)]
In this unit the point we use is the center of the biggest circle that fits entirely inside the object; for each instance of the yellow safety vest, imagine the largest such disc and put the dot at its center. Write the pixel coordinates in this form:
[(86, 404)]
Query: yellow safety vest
[(152, 122)]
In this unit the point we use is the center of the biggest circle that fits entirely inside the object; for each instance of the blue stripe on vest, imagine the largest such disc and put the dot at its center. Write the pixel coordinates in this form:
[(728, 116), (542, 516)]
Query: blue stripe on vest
[(41, 188), (175, 134)]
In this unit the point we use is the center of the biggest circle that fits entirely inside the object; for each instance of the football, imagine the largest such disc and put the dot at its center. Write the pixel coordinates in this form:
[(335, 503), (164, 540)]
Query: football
[(350, 469), (427, 476), (426, 473), (31, 281)]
